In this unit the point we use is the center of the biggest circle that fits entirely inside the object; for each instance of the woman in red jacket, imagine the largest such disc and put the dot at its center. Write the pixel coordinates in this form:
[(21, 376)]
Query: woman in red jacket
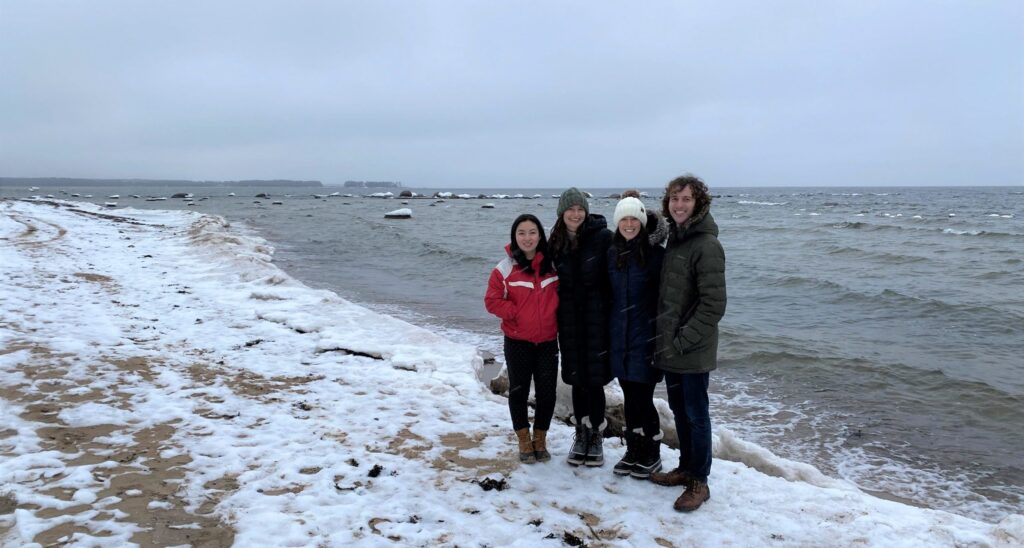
[(523, 292)]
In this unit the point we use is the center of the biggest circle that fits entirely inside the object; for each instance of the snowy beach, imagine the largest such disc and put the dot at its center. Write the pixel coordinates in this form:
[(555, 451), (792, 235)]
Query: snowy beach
[(162, 382)]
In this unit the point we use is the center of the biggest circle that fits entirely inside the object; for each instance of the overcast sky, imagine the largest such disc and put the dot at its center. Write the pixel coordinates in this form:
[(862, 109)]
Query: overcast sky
[(516, 94)]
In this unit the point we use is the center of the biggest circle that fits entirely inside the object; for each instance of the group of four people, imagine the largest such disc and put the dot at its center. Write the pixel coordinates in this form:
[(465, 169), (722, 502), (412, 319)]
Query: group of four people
[(640, 304)]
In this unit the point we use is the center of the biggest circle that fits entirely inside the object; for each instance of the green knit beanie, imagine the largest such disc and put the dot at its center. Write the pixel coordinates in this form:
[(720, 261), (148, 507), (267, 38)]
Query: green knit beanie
[(572, 197)]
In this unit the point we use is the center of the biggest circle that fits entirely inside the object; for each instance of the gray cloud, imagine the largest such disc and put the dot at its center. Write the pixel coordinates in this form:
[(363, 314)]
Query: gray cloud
[(525, 94)]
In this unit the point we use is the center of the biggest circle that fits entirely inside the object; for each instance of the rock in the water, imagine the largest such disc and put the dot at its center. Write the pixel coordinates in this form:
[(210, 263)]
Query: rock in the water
[(404, 213), (499, 384)]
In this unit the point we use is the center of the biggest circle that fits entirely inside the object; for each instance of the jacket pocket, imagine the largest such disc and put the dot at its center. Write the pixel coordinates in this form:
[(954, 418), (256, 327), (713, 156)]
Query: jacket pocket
[(687, 350)]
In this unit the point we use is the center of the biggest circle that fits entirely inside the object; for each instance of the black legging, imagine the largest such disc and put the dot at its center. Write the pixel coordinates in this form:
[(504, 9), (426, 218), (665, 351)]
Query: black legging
[(525, 360), (638, 401), (588, 401)]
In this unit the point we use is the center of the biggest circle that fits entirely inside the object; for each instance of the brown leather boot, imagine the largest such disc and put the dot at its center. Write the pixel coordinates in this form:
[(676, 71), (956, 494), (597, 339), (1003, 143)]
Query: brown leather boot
[(672, 478), (696, 493), (526, 452), (540, 445)]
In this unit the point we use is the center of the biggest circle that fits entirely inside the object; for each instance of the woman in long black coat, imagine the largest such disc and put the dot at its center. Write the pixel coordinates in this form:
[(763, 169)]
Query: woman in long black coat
[(579, 246)]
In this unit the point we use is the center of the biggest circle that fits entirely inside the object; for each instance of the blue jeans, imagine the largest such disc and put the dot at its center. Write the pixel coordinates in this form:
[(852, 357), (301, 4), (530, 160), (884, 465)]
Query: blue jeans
[(688, 398)]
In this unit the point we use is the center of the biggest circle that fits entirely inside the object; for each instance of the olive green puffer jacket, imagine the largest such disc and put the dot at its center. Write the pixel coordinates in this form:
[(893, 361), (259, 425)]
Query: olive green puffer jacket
[(691, 297)]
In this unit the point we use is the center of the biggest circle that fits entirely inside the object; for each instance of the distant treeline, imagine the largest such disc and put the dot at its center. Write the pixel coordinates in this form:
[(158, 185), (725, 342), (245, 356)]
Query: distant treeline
[(70, 181)]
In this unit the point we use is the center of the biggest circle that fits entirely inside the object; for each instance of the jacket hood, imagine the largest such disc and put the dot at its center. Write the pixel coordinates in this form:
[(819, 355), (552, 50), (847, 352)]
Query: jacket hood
[(657, 228), (595, 222)]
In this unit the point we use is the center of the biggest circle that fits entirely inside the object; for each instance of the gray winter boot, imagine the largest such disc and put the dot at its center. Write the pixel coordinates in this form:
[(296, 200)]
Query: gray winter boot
[(595, 444), (578, 453), (625, 465)]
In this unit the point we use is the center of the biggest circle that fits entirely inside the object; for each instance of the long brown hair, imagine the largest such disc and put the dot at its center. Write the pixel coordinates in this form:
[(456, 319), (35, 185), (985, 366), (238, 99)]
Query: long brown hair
[(562, 242)]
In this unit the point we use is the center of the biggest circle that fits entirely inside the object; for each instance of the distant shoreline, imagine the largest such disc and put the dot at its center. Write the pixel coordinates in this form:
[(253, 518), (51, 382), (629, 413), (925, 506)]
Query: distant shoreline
[(74, 181)]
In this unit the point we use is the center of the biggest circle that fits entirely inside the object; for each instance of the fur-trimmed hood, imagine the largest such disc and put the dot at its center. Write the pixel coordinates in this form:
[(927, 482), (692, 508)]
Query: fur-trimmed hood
[(657, 228)]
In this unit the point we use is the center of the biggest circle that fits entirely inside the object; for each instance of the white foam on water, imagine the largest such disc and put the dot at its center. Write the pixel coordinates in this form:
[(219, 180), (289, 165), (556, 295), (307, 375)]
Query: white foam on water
[(962, 232)]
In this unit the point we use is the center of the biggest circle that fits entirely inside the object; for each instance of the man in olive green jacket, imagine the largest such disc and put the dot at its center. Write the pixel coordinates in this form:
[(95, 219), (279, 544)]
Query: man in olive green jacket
[(691, 301)]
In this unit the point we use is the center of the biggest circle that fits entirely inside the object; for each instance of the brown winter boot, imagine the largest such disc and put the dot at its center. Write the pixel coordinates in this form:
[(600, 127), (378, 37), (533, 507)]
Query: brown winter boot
[(672, 478), (540, 445), (696, 493), (526, 453)]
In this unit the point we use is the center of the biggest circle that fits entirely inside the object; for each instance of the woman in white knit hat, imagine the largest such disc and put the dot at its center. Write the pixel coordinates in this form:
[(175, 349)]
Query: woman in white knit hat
[(634, 269)]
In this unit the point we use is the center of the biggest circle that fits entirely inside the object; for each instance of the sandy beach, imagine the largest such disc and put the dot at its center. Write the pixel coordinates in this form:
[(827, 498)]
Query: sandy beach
[(163, 383)]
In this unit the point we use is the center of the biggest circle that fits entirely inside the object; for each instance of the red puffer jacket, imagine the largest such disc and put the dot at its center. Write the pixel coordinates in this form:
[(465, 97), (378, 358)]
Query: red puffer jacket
[(525, 302)]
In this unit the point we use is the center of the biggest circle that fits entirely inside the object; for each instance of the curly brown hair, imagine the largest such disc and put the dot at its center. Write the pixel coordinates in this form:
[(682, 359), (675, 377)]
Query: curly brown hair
[(701, 196)]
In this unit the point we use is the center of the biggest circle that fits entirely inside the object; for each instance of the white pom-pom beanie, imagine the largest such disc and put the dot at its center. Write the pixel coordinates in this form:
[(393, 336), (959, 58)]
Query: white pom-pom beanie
[(630, 207)]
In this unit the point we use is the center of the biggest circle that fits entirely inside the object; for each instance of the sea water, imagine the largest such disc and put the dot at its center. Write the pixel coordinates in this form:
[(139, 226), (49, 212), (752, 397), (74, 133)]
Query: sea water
[(875, 333)]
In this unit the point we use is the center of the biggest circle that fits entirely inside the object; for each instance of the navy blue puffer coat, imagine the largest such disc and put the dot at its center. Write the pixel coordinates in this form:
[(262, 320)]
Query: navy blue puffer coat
[(634, 309)]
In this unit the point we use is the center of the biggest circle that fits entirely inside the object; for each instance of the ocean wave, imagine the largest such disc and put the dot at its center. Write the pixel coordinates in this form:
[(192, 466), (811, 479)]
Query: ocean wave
[(963, 232), (214, 235), (982, 233), (422, 248), (805, 282), (869, 226), (877, 256), (872, 226), (751, 202), (997, 320), (431, 251), (995, 275)]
